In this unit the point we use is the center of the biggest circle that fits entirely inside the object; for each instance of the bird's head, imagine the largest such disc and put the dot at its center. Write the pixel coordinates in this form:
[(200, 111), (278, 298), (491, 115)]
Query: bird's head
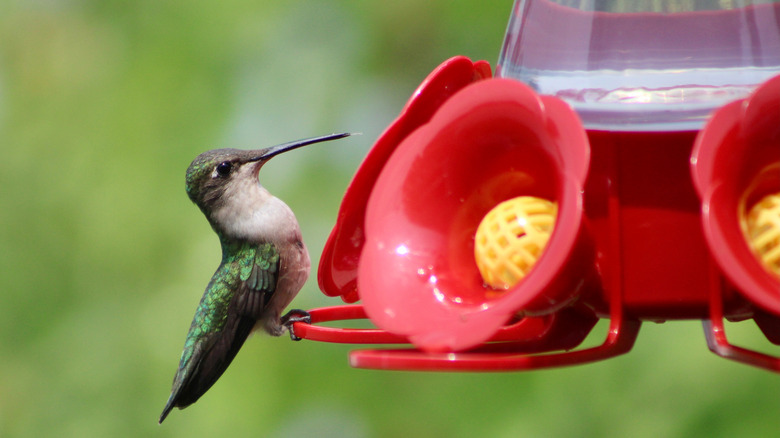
[(213, 176)]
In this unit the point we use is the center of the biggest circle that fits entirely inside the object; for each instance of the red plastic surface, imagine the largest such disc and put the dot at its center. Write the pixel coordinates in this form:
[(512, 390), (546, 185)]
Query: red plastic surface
[(737, 161), (514, 347), (520, 355), (563, 330), (718, 343), (635, 241), (492, 141), (339, 335), (645, 217), (337, 275)]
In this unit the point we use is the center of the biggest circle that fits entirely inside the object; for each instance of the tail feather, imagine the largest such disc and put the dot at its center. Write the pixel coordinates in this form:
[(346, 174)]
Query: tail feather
[(167, 409), (205, 366)]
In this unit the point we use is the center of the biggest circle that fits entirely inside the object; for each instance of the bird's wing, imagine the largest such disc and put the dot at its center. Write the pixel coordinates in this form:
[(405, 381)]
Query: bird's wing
[(258, 282), (233, 302)]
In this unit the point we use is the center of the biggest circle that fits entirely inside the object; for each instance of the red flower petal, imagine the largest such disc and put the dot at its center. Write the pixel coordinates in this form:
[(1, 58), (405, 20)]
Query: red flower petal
[(736, 160), (337, 274), (493, 140)]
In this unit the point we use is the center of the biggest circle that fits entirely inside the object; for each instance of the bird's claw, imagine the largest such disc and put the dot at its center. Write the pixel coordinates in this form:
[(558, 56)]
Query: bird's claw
[(293, 316)]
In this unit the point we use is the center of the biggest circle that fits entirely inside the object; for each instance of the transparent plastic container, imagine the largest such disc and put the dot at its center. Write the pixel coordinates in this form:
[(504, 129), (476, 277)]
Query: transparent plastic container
[(643, 65)]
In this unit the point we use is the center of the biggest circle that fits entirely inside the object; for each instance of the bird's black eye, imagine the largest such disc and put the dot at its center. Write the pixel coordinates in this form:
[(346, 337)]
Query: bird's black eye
[(224, 168)]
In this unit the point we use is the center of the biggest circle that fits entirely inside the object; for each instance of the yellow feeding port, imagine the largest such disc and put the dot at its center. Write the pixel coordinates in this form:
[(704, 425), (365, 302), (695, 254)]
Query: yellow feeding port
[(763, 231), (511, 238)]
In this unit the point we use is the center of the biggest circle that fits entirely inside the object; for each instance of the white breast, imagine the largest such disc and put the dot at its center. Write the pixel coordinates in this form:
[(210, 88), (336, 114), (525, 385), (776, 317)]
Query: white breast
[(250, 212)]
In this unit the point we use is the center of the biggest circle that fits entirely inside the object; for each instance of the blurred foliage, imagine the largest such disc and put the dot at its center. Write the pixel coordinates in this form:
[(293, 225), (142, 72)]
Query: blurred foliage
[(102, 258)]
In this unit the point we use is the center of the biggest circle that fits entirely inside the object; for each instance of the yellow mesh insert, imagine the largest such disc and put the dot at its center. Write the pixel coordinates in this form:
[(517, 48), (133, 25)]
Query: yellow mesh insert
[(763, 230), (511, 237)]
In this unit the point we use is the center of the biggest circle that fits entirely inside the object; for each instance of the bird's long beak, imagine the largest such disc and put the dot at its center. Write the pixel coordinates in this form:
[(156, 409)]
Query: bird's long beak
[(266, 154)]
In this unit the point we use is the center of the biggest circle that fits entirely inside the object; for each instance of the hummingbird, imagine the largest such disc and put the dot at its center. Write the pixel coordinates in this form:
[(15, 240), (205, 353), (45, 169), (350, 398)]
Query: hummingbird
[(264, 265)]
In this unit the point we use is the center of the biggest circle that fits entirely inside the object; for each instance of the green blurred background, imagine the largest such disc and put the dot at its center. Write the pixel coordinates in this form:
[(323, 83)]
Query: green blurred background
[(102, 257)]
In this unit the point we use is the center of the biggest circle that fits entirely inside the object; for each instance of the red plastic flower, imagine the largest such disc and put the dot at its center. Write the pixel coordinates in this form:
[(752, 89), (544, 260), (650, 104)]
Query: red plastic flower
[(736, 161), (405, 232), (337, 274)]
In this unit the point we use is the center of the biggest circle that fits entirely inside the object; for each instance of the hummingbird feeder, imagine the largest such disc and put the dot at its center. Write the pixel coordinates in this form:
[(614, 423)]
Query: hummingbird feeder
[(623, 164)]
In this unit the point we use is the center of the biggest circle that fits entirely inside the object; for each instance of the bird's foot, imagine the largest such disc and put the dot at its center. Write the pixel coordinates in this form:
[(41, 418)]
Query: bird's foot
[(293, 316)]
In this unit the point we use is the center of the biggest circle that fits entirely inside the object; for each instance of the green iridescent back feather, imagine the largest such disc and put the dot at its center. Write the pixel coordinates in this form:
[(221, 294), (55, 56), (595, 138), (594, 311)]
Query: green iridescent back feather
[(224, 317)]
